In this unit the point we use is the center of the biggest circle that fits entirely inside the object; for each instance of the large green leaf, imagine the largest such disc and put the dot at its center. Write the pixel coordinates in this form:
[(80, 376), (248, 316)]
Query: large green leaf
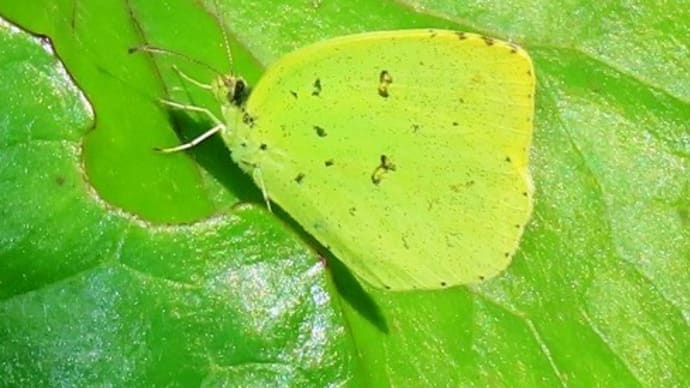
[(121, 265)]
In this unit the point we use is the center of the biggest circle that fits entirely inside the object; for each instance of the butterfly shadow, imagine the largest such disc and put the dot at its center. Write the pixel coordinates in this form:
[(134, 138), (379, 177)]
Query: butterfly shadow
[(348, 286), (353, 293), (214, 157)]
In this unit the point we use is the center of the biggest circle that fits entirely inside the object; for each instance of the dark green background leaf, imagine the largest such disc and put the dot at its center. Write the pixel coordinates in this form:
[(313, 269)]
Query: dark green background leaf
[(122, 265)]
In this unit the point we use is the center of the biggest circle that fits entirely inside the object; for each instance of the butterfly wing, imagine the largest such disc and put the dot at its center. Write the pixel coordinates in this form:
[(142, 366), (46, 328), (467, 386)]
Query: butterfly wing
[(403, 152)]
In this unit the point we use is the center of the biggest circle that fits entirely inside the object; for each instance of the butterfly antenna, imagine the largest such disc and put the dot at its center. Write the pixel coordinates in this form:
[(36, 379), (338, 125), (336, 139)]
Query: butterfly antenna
[(157, 50), (226, 40)]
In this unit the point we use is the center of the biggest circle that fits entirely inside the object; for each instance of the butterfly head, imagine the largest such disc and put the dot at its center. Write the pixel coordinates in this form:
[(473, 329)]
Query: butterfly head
[(230, 89)]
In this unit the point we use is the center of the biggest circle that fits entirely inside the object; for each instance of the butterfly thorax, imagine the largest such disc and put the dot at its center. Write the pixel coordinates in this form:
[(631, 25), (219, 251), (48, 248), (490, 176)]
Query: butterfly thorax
[(230, 89), (232, 93)]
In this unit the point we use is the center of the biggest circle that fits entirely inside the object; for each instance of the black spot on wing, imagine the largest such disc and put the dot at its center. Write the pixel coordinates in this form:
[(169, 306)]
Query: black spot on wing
[(385, 165), (328, 163), (460, 187), (316, 87), (406, 244), (385, 79), (299, 178), (248, 119), (320, 131)]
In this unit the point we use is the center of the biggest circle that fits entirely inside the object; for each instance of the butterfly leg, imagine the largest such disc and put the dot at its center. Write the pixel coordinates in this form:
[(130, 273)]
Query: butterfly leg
[(191, 80), (258, 178), (192, 108), (219, 126), (193, 142)]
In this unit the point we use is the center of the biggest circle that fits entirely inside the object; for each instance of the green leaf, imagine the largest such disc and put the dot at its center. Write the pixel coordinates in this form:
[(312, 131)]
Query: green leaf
[(92, 293), (121, 265)]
